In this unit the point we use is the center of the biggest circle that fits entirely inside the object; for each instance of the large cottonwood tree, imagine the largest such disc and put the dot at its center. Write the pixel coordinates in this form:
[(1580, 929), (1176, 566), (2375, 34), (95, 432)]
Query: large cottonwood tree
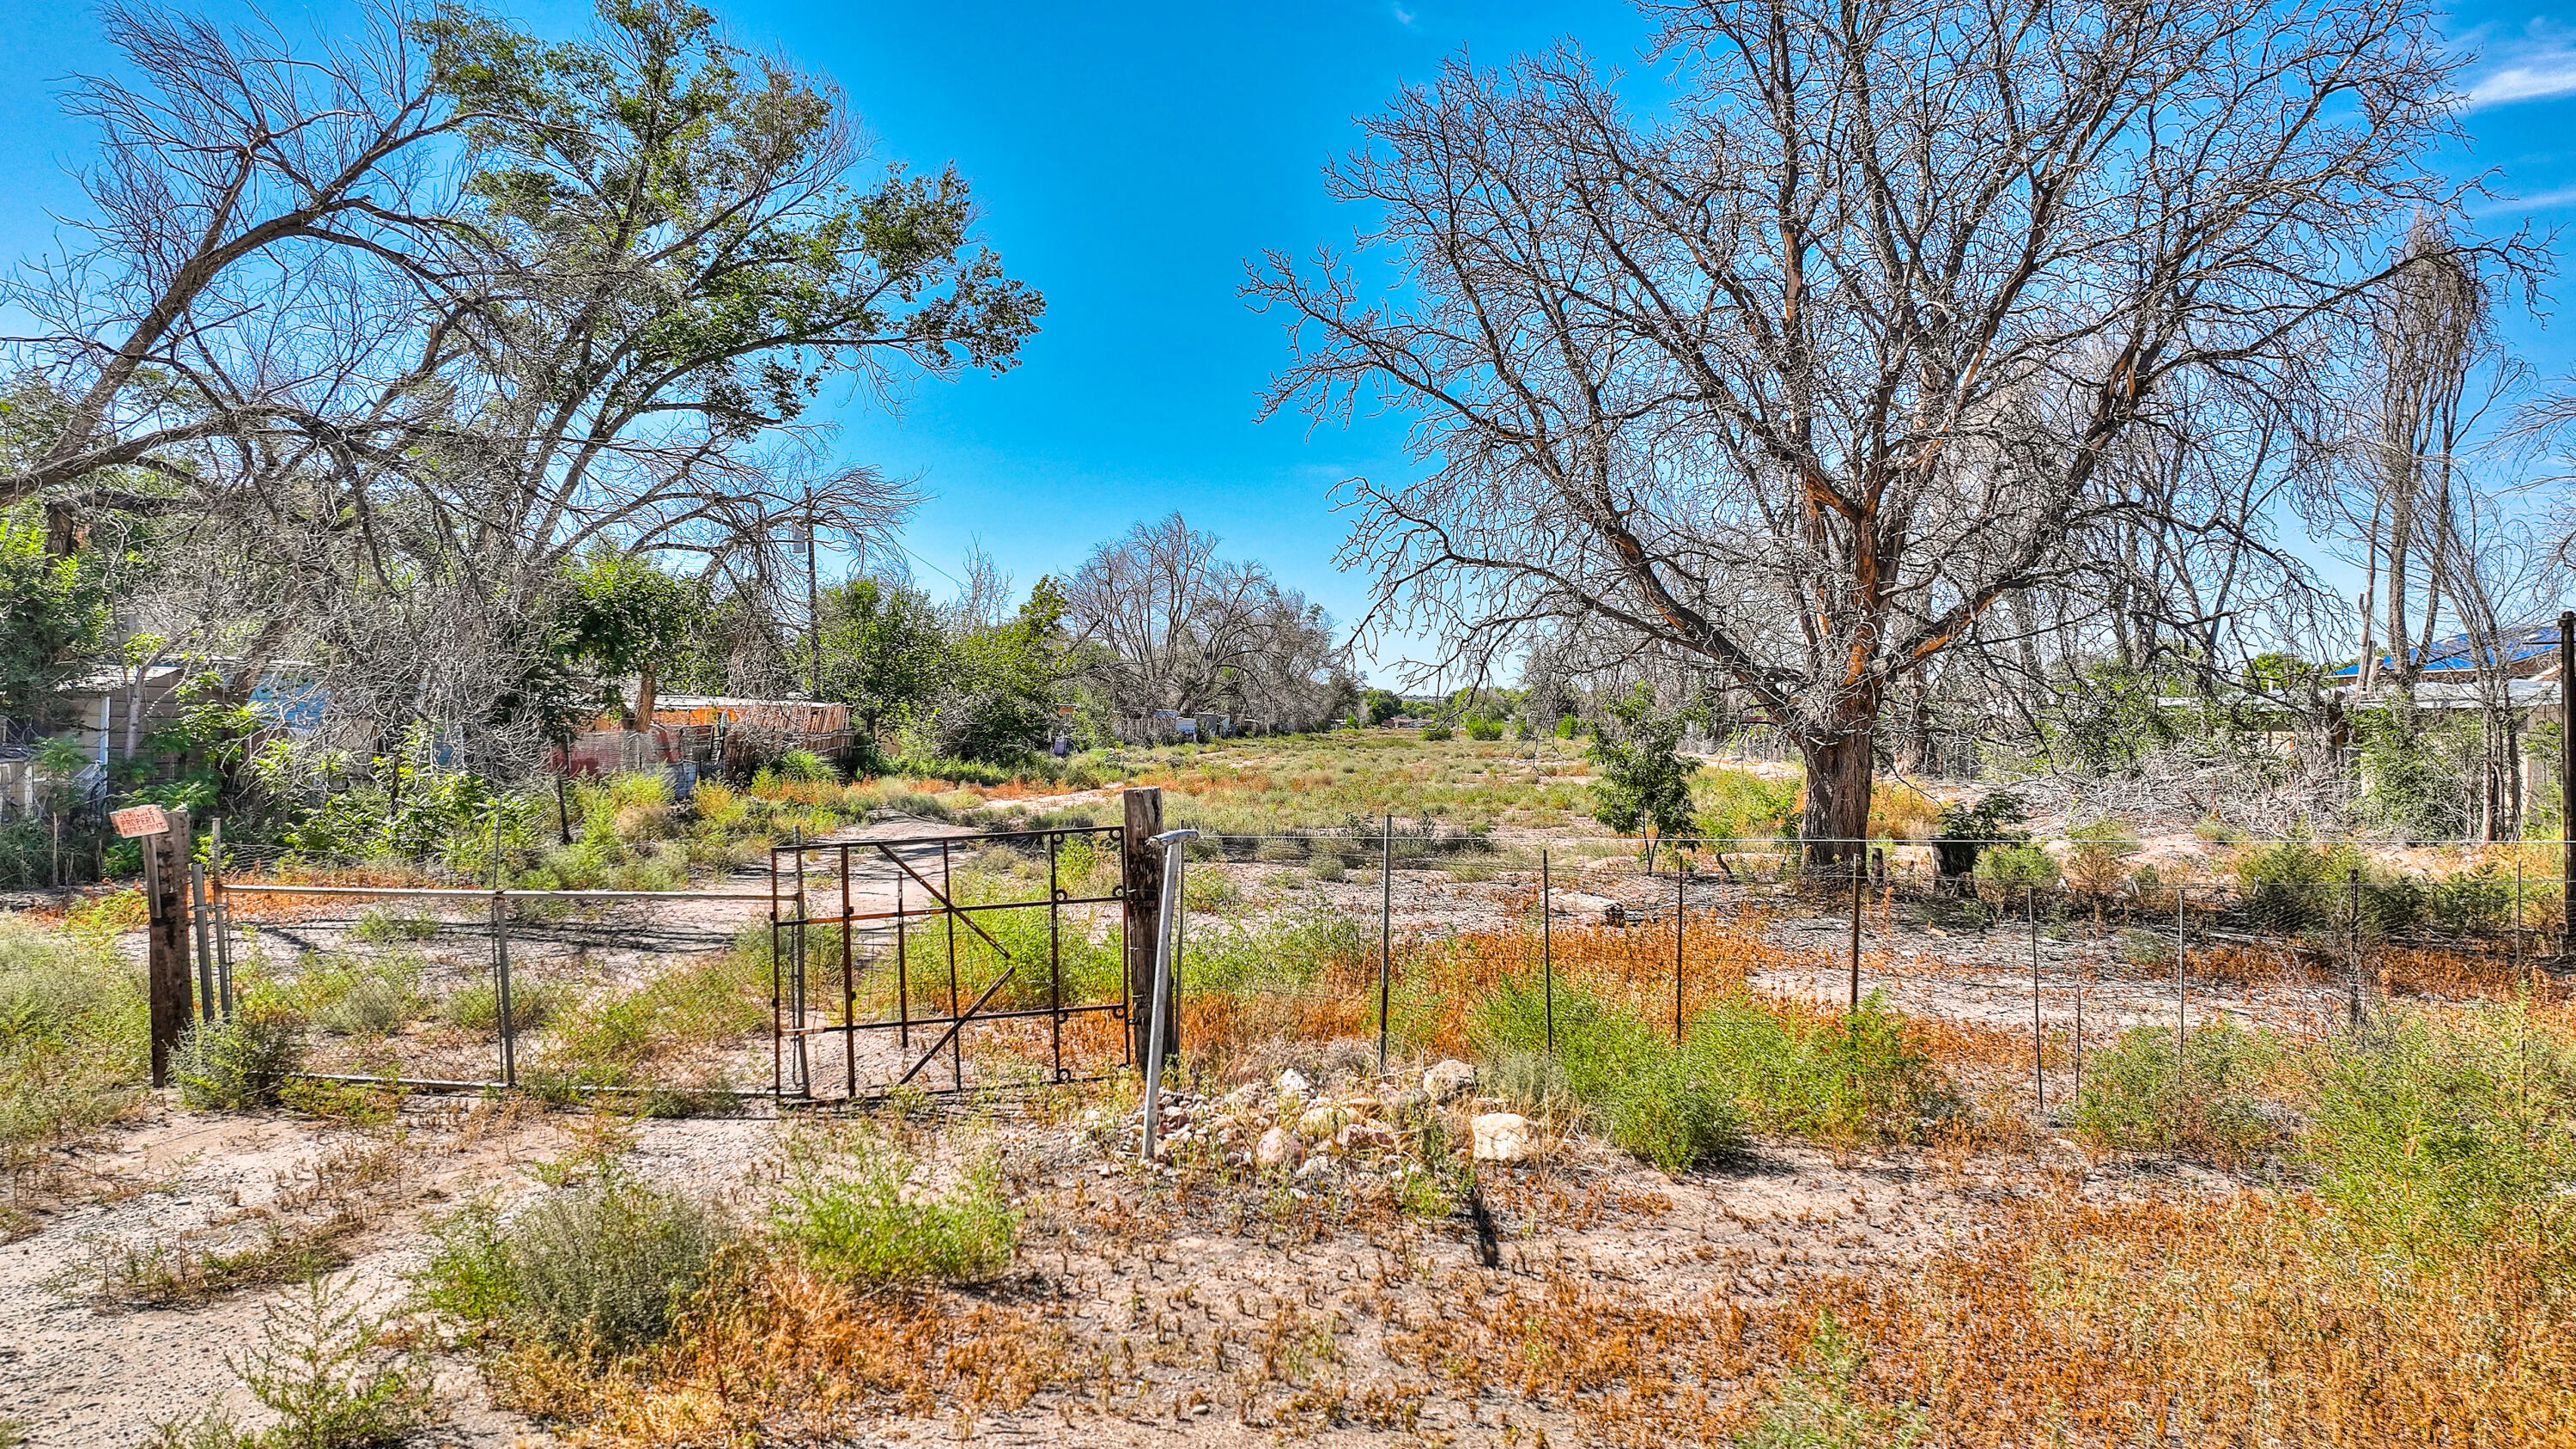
[(1806, 371)]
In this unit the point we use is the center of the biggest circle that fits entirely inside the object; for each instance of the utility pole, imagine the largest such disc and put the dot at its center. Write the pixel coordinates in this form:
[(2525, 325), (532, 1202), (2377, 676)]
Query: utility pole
[(813, 594)]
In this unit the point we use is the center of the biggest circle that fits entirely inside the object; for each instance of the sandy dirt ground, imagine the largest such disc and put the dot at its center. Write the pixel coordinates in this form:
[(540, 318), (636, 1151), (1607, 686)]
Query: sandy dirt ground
[(1179, 1282)]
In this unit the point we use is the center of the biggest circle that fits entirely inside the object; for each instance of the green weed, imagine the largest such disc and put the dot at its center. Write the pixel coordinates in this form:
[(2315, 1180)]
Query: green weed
[(857, 1214), (600, 1269)]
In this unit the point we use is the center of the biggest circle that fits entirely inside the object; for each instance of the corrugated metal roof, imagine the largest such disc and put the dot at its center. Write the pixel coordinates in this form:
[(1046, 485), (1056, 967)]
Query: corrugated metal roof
[(2458, 655)]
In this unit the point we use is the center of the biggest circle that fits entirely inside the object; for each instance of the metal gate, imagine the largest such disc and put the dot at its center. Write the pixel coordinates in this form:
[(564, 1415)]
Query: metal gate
[(851, 972)]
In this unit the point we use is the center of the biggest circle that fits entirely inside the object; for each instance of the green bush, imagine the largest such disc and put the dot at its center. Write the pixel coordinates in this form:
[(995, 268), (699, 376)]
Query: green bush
[(2011, 869), (2133, 1098), (2432, 1130), (2297, 885), (1436, 732), (1741, 805), (1844, 1078), (2480, 899), (601, 1269), (241, 1060), (1675, 1112), (370, 1003), (1481, 728), (329, 1372), (805, 765), (381, 927), (1743, 1065), (855, 1215), (1818, 1404)]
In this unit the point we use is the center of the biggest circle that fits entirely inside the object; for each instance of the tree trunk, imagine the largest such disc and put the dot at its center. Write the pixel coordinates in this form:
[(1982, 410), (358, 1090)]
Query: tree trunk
[(1839, 768), (644, 694)]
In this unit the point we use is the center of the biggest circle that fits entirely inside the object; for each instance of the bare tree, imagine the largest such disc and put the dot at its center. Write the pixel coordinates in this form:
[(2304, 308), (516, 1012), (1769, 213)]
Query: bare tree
[(242, 185), (1170, 626), (1809, 378), (2430, 326)]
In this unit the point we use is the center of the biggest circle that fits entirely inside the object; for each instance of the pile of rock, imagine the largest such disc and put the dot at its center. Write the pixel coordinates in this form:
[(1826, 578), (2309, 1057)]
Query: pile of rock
[(1289, 1125)]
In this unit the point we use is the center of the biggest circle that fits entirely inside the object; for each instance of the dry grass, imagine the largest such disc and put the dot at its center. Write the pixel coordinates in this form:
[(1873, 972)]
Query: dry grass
[(776, 1353), (2251, 1323)]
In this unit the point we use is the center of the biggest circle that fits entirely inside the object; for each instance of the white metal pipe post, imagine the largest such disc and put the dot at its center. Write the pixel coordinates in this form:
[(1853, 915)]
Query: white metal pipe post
[(1171, 841)]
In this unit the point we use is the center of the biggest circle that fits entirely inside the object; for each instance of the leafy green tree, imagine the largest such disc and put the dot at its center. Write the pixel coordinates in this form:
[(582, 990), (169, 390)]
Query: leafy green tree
[(1384, 705), (884, 651), (1641, 782), (622, 615), (53, 615), (1002, 683)]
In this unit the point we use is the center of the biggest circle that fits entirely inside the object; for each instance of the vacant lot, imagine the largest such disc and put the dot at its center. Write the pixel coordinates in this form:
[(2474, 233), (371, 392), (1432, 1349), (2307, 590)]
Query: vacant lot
[(1628, 1176)]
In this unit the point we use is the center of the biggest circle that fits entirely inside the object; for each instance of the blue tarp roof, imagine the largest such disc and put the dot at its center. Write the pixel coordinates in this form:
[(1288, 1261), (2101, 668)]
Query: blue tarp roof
[(2456, 655)]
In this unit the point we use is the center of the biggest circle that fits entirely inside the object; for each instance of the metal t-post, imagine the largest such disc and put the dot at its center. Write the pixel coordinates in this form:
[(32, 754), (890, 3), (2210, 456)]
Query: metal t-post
[(1677, 948), (2038, 1049), (1171, 841), (2182, 984), (1855, 940), (501, 960), (1385, 936), (1547, 951)]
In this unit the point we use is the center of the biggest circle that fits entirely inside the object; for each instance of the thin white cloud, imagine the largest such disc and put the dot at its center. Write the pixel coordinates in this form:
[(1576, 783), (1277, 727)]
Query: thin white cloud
[(2538, 64), (1403, 16), (2544, 201)]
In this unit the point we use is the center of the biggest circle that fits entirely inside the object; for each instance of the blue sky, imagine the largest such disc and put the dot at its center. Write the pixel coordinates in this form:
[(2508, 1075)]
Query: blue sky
[(1130, 159)]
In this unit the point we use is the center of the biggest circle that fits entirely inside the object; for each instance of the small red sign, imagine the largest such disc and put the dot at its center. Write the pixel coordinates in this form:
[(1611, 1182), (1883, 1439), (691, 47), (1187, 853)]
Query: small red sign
[(141, 820)]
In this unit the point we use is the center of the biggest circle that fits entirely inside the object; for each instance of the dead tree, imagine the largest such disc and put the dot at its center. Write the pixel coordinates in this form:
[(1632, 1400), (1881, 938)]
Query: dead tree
[(1810, 377)]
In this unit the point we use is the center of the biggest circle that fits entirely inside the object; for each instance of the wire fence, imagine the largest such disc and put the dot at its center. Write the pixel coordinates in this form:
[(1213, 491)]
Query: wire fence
[(768, 983)]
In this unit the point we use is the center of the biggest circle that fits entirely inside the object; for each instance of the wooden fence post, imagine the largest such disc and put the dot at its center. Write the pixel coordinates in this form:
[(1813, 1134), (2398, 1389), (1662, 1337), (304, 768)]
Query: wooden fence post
[(1143, 889), (165, 886)]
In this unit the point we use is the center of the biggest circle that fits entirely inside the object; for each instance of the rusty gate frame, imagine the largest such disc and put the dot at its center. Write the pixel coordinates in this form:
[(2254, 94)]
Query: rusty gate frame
[(791, 1076)]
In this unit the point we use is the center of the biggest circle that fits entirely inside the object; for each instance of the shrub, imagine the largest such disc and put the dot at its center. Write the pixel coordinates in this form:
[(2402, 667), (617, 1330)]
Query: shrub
[(1481, 728), (2432, 1129), (2132, 1097), (805, 765), (1967, 830), (856, 1216), (1818, 1405), (2012, 869), (1741, 805), (1436, 732), (1676, 1112), (2474, 900), (1744, 1064), (1533, 1083), (240, 1061), (371, 1004), (2295, 885), (330, 1374), (2098, 855), (1838, 1077), (601, 1269), (378, 927)]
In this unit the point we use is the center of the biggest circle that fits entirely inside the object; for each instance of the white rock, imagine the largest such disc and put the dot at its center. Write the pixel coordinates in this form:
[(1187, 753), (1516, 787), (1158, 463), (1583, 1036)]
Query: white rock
[(1314, 1167), (1503, 1137), (1290, 1084), (1318, 1123), (1587, 907), (1449, 1080), (1277, 1148)]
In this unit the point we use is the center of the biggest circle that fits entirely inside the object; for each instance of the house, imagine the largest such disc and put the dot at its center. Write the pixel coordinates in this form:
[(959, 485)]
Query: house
[(2526, 654), (691, 732)]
